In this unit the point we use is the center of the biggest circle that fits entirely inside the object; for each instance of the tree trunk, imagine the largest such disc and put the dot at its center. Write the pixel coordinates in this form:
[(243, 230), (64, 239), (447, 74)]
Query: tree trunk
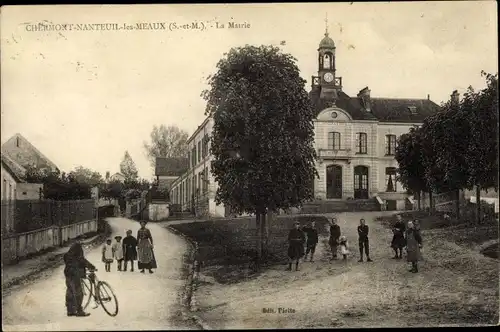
[(458, 204), (418, 200), (263, 229), (431, 202), (258, 246), (267, 221), (478, 204)]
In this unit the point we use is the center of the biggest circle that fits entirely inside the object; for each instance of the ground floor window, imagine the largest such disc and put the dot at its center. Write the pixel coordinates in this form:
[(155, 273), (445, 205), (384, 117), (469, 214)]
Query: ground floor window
[(390, 179)]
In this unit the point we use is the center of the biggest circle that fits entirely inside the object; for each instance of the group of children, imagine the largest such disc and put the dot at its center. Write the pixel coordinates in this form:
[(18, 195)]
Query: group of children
[(122, 252), (308, 236)]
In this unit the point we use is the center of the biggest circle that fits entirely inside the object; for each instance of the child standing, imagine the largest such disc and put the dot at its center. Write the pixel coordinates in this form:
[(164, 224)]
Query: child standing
[(118, 251), (129, 250), (107, 255), (344, 247)]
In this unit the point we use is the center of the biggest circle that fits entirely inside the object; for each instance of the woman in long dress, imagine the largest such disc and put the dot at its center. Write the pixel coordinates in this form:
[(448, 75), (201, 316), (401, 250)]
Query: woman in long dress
[(413, 246), (398, 239), (146, 259)]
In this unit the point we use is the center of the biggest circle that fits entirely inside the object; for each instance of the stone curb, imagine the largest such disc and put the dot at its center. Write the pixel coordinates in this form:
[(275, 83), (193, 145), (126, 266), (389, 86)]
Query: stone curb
[(54, 260), (188, 301)]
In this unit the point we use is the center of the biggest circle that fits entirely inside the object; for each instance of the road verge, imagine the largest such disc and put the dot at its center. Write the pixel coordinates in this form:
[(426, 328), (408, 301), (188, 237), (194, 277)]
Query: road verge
[(191, 269), (52, 259)]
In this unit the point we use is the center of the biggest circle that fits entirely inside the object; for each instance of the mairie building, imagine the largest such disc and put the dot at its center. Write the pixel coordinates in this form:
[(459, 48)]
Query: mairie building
[(355, 141)]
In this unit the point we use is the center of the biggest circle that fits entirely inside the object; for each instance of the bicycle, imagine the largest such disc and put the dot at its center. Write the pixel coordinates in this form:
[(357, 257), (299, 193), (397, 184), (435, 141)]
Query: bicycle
[(100, 291)]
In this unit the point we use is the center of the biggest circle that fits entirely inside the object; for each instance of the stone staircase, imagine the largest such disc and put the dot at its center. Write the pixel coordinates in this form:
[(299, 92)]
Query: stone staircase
[(332, 206)]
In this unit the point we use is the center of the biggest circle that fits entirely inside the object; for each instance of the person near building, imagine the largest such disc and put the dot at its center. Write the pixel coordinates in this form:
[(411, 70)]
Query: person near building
[(364, 243)]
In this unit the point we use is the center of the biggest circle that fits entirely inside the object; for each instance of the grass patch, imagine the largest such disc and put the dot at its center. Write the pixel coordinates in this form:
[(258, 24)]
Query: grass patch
[(227, 247)]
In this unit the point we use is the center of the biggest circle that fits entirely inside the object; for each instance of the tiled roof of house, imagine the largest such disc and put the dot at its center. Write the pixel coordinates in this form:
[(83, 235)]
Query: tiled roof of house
[(400, 110), (171, 166), (382, 109), (23, 157), (16, 171)]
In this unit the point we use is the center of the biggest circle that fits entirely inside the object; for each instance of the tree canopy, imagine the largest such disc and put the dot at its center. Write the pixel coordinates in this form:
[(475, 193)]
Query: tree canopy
[(87, 176), (262, 139), (58, 186), (128, 168), (409, 157), (456, 148), (166, 141)]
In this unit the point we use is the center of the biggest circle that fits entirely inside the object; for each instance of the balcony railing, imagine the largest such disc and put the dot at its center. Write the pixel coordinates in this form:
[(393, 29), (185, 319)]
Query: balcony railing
[(345, 154)]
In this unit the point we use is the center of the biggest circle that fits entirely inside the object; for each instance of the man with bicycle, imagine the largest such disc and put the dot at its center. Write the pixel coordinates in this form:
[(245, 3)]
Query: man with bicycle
[(75, 271)]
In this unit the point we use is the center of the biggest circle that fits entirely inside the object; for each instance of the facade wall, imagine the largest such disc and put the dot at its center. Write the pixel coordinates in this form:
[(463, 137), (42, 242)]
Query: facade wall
[(28, 191), (196, 188), (9, 186), (348, 154), (9, 189)]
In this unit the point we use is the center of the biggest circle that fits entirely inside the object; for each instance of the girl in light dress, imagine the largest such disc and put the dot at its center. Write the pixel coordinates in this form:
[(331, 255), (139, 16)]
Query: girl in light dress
[(107, 255), (344, 247)]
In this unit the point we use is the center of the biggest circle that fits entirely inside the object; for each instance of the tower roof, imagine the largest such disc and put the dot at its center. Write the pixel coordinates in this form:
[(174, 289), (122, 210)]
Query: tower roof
[(327, 42)]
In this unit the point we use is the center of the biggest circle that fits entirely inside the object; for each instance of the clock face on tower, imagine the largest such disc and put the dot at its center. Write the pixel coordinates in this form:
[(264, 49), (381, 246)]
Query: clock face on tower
[(328, 77)]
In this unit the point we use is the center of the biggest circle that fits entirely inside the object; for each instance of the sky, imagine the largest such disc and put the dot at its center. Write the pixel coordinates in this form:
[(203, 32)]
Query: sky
[(85, 97)]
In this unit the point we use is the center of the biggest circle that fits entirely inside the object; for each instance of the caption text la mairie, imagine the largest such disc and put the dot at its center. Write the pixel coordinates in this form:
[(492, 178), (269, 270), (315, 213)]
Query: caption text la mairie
[(136, 26)]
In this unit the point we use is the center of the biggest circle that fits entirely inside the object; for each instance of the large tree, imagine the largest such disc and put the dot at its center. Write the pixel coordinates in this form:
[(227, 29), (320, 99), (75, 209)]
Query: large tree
[(86, 175), (262, 139), (409, 155), (128, 168), (480, 110), (449, 133), (166, 141)]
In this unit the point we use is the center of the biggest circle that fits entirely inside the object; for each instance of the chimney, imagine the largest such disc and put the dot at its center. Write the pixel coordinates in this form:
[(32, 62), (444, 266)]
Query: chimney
[(364, 95), (428, 97), (455, 97)]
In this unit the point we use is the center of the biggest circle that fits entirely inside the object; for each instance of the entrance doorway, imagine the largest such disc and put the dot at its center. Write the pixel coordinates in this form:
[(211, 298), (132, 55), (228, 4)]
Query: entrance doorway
[(360, 182), (333, 181)]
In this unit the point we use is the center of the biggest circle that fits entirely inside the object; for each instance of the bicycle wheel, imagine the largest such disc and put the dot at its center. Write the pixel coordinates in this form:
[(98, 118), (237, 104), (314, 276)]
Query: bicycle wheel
[(87, 292), (107, 298)]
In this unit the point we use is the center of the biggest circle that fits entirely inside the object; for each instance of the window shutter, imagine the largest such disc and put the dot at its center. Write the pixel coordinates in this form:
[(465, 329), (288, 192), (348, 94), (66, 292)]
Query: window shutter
[(358, 142), (386, 145)]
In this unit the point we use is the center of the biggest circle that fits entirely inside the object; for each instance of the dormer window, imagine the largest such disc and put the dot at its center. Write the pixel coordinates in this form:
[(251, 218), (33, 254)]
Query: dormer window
[(412, 109)]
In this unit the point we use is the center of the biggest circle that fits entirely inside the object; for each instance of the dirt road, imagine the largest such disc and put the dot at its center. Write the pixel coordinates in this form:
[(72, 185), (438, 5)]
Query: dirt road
[(382, 293), (146, 301)]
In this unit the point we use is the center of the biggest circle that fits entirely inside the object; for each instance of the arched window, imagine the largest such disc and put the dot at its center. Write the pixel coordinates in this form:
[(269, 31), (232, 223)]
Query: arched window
[(327, 61)]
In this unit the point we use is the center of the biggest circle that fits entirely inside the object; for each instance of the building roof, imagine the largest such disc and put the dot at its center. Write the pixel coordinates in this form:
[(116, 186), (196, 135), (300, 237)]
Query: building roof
[(399, 110), (16, 171), (327, 42), (18, 157), (382, 109), (171, 166), (117, 174)]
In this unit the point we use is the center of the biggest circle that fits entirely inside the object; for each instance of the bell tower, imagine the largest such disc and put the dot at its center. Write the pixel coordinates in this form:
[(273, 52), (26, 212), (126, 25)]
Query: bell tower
[(327, 80)]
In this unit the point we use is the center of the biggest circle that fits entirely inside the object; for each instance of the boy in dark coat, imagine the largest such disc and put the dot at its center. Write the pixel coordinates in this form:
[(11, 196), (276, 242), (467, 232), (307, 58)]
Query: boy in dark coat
[(129, 250), (312, 239), (74, 271), (334, 237), (363, 241), (296, 240)]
